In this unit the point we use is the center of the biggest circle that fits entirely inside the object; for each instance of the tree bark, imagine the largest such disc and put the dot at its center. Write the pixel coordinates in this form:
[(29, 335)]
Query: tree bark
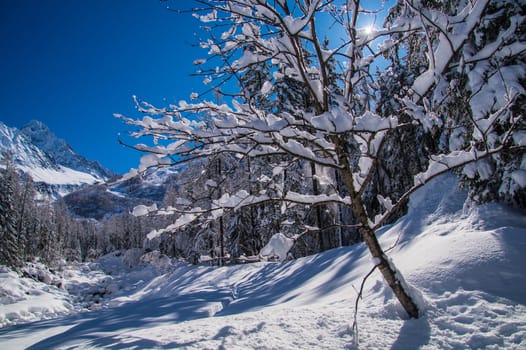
[(221, 241), (388, 272), (316, 191), (369, 236), (221, 222)]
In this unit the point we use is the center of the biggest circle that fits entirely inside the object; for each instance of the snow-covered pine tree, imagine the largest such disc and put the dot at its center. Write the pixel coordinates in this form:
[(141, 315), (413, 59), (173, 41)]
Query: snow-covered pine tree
[(9, 237), (26, 211), (344, 133), (484, 84), (46, 234), (495, 65)]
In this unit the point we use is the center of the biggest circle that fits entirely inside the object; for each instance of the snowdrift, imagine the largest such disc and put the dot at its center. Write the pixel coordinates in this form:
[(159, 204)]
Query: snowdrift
[(465, 259)]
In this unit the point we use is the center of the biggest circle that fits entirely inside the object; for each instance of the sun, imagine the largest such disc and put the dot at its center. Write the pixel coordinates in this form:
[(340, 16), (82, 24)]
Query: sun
[(368, 30)]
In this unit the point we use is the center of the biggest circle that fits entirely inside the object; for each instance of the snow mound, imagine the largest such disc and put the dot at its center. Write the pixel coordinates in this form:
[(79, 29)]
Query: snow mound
[(278, 246), (38, 293), (447, 242), (28, 299)]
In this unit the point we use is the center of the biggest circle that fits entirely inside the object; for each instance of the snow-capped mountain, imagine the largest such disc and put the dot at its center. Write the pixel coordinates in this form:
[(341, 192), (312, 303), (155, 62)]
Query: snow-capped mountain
[(52, 164), (122, 195), (61, 152), (58, 171)]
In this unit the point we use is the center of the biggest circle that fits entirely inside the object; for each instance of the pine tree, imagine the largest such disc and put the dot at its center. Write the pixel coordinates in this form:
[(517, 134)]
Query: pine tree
[(26, 212), (478, 98), (9, 248)]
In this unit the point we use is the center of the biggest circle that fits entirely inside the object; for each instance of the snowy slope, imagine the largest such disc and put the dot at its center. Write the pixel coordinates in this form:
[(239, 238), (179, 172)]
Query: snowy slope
[(21, 149), (121, 195), (50, 161), (61, 152), (466, 260)]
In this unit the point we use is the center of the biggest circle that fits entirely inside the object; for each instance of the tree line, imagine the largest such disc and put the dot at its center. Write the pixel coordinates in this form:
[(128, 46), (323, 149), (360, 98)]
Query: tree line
[(33, 227)]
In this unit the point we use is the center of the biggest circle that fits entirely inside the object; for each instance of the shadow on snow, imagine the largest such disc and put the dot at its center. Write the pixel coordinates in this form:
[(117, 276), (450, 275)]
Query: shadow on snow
[(267, 286)]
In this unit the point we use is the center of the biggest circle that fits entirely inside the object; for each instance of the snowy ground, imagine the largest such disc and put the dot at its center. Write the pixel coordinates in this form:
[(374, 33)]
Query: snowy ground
[(467, 261)]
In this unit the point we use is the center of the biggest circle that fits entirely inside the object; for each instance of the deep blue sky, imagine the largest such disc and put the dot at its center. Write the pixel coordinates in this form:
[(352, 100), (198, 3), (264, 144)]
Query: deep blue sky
[(73, 63)]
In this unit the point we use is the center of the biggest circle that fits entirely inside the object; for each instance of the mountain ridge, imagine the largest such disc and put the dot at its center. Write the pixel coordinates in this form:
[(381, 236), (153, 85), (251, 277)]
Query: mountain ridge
[(49, 160), (88, 189), (60, 151)]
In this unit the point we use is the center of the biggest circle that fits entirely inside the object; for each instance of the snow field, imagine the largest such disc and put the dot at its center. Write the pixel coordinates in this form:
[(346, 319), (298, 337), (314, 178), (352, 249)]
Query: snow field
[(466, 260), (60, 176)]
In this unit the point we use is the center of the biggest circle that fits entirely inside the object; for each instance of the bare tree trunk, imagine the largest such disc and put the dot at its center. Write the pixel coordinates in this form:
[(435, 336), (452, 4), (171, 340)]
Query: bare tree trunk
[(221, 222), (388, 272), (316, 191), (251, 249), (370, 239), (221, 241), (339, 211)]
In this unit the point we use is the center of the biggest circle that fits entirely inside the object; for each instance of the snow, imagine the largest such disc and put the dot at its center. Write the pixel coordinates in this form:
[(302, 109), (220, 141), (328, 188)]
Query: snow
[(519, 176), (129, 175), (266, 88), (466, 260), (18, 295), (52, 164), (151, 160), (211, 183), (279, 245), (519, 137), (142, 210), (60, 176)]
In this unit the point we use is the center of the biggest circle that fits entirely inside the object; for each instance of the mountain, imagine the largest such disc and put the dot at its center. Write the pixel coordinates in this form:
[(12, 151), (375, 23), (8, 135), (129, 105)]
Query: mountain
[(50, 161), (22, 151), (59, 172), (61, 152), (101, 200)]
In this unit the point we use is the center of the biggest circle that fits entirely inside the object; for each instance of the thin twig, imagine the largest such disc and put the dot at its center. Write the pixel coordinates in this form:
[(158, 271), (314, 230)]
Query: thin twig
[(354, 327)]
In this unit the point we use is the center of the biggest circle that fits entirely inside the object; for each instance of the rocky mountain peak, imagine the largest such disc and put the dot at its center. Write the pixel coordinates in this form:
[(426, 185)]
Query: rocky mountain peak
[(50, 161), (60, 151)]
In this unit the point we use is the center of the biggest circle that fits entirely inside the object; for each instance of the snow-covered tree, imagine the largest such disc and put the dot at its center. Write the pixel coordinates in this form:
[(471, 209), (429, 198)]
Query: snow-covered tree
[(9, 236), (435, 56), (26, 211), (484, 81)]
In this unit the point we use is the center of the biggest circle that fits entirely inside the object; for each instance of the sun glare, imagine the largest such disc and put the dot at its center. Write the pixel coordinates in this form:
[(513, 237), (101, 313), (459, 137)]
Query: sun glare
[(368, 30)]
